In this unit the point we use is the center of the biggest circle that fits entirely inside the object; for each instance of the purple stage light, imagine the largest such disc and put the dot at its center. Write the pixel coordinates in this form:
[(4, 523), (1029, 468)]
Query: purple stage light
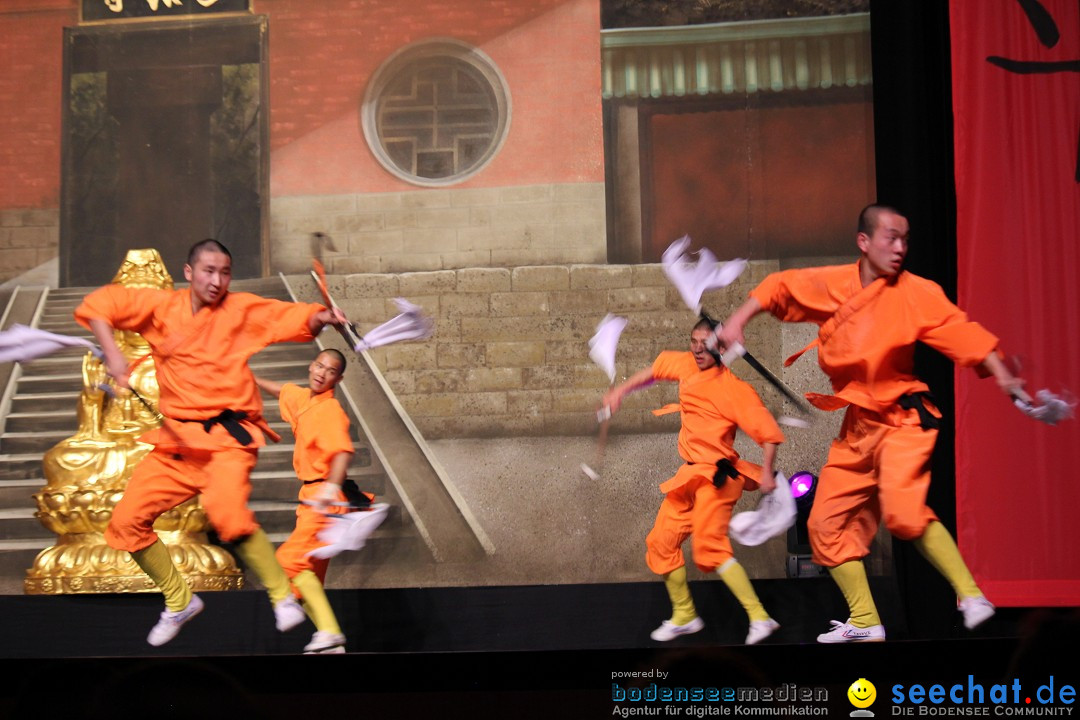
[(801, 482)]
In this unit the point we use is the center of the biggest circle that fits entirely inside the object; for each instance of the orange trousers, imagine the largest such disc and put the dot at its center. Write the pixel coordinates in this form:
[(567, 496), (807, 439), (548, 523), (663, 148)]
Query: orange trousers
[(305, 536), (164, 479), (878, 469), (695, 509)]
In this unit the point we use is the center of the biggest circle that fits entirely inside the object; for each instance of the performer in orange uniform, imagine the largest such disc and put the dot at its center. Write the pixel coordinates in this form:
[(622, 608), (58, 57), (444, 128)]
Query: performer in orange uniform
[(701, 495), (200, 339), (871, 314), (321, 459)]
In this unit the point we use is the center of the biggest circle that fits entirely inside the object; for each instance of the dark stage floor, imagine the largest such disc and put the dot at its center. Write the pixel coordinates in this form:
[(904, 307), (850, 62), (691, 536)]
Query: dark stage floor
[(513, 652)]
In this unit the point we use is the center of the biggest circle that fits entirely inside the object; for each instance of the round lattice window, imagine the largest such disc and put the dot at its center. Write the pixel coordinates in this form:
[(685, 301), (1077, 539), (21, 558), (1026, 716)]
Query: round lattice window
[(436, 113)]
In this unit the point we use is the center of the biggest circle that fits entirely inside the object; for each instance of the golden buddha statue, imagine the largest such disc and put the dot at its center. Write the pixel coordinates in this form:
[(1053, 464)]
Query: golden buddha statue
[(86, 475)]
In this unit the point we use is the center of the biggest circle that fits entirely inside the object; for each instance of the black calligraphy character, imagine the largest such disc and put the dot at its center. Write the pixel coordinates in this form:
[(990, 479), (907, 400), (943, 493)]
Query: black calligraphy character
[(1047, 31)]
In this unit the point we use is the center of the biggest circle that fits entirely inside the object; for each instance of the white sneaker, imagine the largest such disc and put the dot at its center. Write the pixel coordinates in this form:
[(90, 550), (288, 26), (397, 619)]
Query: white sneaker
[(325, 643), (844, 632), (761, 629), (170, 622), (669, 630), (288, 614), (977, 610)]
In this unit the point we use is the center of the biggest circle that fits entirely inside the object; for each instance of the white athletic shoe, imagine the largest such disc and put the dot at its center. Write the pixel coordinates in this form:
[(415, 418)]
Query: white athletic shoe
[(761, 629), (170, 622), (977, 610), (325, 643), (845, 632), (669, 630), (288, 614)]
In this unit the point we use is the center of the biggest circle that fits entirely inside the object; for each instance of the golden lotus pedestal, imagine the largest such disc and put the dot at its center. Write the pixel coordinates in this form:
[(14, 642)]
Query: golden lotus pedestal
[(76, 507), (81, 562), (85, 564), (86, 475)]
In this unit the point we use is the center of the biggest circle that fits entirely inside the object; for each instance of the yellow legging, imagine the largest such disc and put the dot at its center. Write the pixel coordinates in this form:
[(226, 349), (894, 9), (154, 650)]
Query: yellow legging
[(851, 577), (316, 604), (682, 604), (257, 552), (938, 546), (155, 562), (734, 576)]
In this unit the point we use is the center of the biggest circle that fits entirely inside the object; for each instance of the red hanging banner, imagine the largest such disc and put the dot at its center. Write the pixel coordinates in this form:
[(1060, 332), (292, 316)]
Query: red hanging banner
[(1016, 103)]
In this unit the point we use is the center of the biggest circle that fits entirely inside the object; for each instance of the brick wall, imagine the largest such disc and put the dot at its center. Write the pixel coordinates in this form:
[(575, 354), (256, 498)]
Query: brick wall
[(31, 43), (510, 353), (31, 54), (28, 238), (442, 229), (321, 57), (323, 54)]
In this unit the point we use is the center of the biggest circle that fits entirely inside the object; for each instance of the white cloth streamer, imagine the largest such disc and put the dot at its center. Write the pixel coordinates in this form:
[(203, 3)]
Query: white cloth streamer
[(349, 531), (411, 324), (605, 341), (693, 278), (774, 515), (1051, 409), (22, 344)]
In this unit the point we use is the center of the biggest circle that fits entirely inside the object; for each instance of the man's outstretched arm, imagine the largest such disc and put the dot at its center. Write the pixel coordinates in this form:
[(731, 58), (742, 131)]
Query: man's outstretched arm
[(269, 386), (992, 364), (115, 362), (317, 321), (339, 466), (767, 482), (732, 331), (613, 398)]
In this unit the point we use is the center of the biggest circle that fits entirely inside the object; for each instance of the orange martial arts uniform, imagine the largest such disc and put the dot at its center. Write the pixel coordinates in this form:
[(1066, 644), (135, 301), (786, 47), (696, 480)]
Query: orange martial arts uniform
[(879, 466), (713, 403), (321, 430), (201, 363)]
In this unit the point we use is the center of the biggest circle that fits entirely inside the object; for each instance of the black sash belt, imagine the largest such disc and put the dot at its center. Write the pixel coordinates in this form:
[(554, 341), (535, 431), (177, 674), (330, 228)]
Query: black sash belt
[(350, 490), (724, 470), (230, 420), (915, 401)]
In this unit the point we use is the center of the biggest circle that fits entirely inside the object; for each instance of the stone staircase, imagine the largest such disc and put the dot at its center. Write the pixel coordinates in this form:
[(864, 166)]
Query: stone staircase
[(42, 411)]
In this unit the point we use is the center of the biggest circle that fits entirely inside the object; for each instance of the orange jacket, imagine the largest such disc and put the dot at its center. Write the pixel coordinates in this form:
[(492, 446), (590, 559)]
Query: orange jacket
[(320, 426), (714, 403), (867, 339), (201, 359)]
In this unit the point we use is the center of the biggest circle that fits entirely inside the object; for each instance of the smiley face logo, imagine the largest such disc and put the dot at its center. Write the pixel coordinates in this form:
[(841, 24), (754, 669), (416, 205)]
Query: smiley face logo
[(862, 693)]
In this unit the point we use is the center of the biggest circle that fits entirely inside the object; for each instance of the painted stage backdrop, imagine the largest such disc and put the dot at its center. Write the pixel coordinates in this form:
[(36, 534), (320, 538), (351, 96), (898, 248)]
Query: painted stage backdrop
[(516, 168)]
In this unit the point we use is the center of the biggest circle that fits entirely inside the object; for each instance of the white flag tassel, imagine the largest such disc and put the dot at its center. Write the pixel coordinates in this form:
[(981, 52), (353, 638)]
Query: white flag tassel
[(22, 344), (411, 324), (1051, 409), (349, 531), (694, 278), (603, 344), (774, 515)]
